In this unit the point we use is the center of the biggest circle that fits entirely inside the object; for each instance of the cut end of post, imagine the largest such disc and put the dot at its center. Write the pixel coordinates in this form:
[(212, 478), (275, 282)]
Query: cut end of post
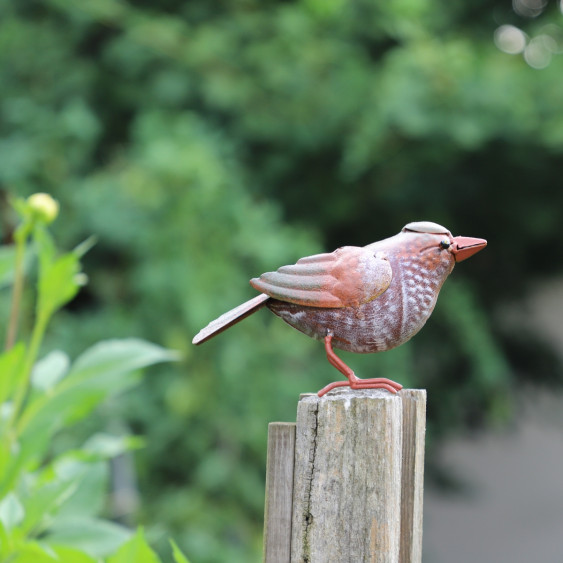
[(341, 393)]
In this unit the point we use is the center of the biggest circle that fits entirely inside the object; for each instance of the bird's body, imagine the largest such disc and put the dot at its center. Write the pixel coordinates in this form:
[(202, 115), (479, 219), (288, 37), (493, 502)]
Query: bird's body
[(394, 316), (363, 300)]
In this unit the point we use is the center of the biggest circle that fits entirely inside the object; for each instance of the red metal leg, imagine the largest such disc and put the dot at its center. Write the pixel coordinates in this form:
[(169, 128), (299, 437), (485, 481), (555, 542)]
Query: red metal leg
[(353, 381)]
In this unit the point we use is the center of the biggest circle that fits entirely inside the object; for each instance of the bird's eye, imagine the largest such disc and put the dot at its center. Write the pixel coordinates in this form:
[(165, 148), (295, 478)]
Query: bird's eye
[(445, 244)]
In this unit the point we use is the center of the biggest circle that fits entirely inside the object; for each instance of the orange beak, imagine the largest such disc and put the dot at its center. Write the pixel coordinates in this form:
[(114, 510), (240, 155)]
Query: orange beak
[(464, 247)]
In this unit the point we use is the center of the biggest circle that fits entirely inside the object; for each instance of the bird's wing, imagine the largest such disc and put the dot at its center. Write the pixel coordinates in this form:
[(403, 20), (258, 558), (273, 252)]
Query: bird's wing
[(347, 277)]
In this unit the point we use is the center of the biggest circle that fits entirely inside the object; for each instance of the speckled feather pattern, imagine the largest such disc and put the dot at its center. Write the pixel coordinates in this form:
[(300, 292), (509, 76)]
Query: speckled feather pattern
[(419, 268)]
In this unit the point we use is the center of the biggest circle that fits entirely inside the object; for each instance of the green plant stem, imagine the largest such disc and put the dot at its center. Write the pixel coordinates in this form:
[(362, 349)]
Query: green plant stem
[(17, 291), (31, 356)]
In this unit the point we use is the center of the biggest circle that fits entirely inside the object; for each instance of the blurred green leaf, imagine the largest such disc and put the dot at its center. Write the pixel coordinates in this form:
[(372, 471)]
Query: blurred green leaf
[(92, 482), (45, 247), (97, 538), (86, 245), (106, 368), (33, 552), (106, 446), (11, 511), (50, 370), (58, 284), (179, 557), (6, 541), (59, 279), (69, 555), (136, 549), (11, 364), (113, 358), (44, 502)]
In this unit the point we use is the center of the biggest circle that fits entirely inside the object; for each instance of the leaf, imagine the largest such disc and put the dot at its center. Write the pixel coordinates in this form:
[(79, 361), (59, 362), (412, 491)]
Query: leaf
[(58, 276), (11, 511), (5, 540), (58, 283), (136, 549), (92, 478), (34, 552), (106, 446), (114, 357), (104, 369), (45, 246), (71, 555), (85, 246), (49, 370), (44, 501), (96, 537), (11, 363), (88, 468), (179, 557), (11, 463)]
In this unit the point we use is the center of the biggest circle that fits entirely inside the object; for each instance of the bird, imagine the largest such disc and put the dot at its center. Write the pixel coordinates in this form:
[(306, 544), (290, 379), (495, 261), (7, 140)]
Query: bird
[(361, 299)]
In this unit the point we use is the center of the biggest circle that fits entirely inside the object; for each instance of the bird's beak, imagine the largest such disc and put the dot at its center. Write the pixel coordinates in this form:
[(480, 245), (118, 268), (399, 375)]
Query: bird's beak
[(464, 247)]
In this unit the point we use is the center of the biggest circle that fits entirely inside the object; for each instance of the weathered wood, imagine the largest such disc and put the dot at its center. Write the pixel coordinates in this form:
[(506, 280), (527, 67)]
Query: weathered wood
[(347, 479), (412, 482), (279, 492)]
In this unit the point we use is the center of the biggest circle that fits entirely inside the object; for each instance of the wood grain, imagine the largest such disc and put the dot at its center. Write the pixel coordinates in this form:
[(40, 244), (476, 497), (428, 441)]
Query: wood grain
[(412, 482), (279, 492), (347, 480)]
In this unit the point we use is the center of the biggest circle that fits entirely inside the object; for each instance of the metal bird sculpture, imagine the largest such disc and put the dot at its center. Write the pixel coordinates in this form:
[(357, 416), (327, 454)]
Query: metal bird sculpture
[(361, 299)]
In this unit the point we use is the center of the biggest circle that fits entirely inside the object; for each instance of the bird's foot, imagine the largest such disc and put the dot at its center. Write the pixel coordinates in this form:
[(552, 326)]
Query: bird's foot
[(353, 381), (376, 383), (357, 383)]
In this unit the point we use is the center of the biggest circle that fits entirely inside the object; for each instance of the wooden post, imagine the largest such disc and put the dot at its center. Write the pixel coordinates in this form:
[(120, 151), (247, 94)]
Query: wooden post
[(357, 481), (412, 481), (279, 492)]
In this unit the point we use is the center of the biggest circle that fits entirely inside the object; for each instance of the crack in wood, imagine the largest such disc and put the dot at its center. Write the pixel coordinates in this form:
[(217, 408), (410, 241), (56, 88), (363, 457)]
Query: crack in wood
[(308, 517)]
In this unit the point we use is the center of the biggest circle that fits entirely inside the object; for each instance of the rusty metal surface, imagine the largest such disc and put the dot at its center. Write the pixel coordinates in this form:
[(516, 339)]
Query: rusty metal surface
[(347, 277), (363, 300)]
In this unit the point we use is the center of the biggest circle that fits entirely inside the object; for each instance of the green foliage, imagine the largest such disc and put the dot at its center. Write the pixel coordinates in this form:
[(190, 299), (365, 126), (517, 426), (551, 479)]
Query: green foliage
[(50, 501), (136, 549), (207, 142)]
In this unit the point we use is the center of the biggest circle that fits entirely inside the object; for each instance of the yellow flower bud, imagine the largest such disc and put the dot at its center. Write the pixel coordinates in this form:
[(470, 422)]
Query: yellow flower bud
[(44, 207)]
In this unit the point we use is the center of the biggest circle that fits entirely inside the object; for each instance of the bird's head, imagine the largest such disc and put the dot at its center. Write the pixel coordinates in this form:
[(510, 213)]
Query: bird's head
[(439, 238)]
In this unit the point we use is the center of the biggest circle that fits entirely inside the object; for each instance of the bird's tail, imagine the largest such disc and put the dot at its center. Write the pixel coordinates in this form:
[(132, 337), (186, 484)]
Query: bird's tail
[(230, 318)]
